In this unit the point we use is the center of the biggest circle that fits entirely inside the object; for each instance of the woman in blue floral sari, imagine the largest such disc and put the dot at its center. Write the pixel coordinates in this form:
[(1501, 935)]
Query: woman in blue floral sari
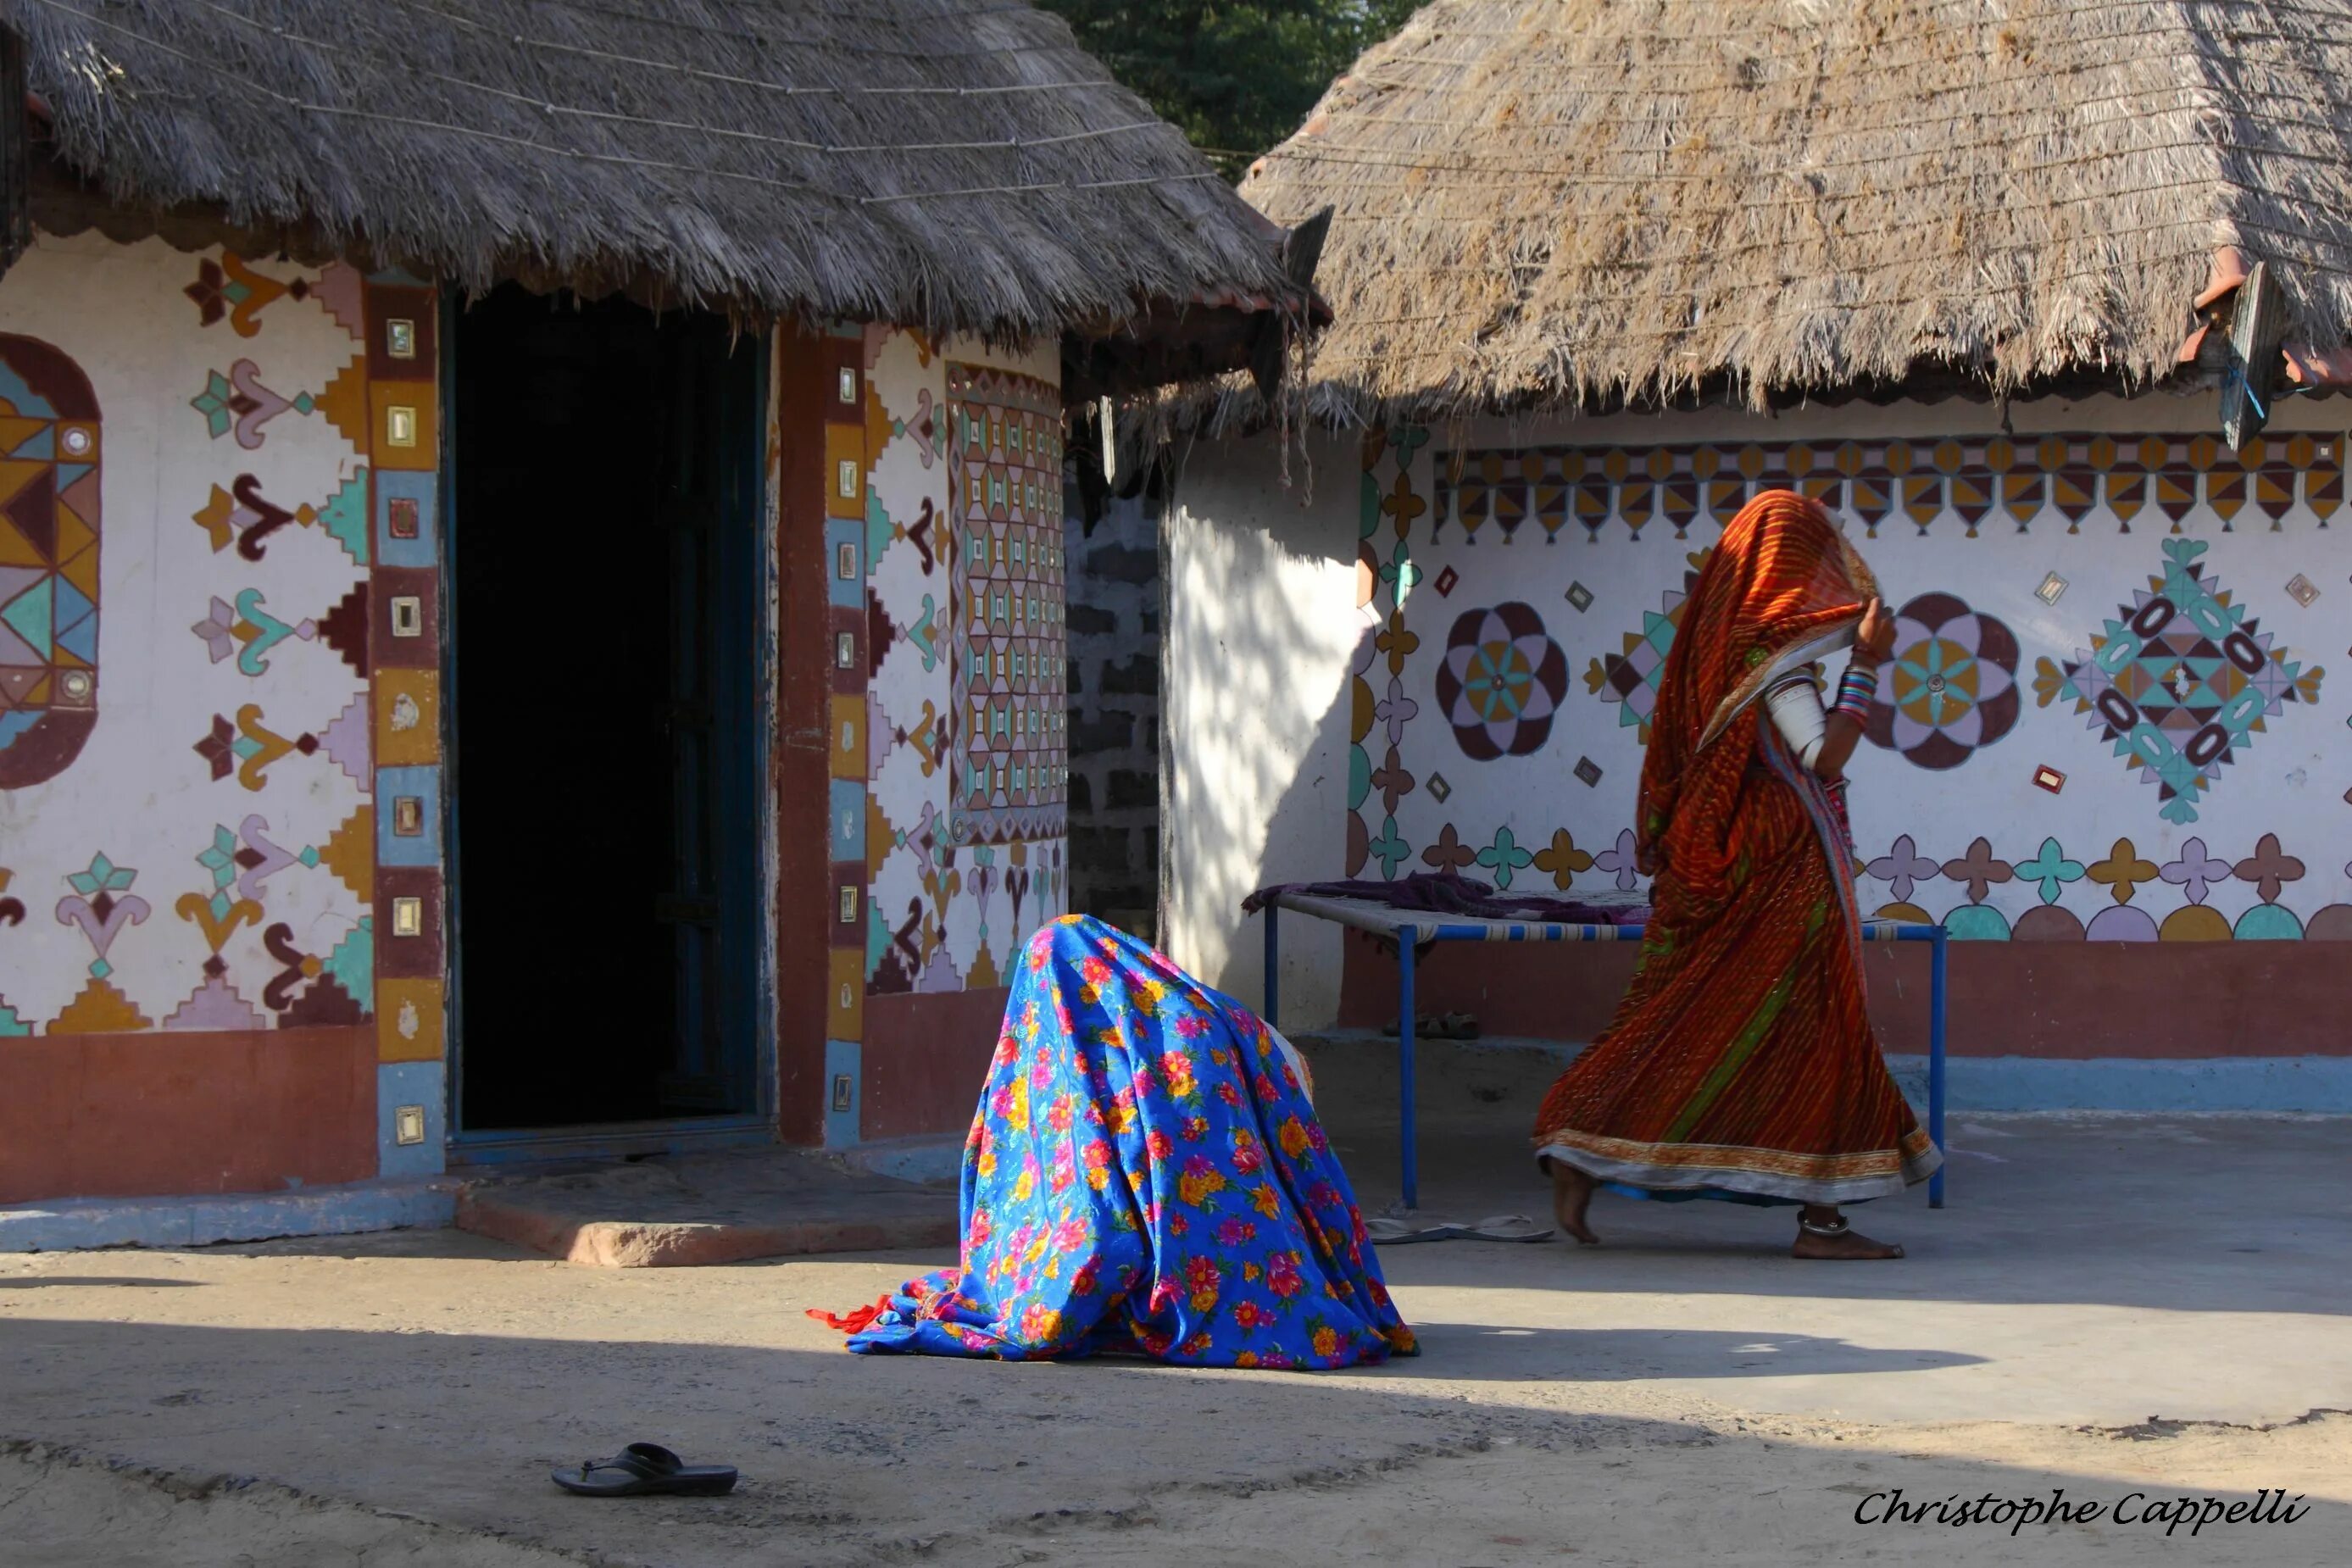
[(1145, 1174)]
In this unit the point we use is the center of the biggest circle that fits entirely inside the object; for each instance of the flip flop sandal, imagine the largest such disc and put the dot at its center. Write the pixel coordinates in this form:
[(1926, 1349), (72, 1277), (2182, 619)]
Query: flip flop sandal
[(1458, 1026), (1506, 1227), (1387, 1232), (646, 1469)]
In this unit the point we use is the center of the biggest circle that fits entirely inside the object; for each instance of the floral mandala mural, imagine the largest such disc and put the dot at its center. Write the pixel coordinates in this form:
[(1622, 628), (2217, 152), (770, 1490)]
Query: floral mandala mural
[(1501, 681), (1951, 686)]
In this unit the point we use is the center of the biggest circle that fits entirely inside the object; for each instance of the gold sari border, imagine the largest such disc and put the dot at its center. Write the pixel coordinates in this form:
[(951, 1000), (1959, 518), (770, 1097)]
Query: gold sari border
[(1767, 1172)]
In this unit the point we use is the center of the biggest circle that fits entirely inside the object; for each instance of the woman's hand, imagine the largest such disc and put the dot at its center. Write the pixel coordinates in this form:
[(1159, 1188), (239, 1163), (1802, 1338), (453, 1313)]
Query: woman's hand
[(1873, 640)]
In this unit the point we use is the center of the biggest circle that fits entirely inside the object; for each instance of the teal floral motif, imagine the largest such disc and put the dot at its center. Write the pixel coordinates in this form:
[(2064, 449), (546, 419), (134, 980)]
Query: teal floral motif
[(220, 858), (1390, 848), (269, 631), (2051, 868), (1504, 857), (213, 403), (1400, 575), (103, 877), (924, 634)]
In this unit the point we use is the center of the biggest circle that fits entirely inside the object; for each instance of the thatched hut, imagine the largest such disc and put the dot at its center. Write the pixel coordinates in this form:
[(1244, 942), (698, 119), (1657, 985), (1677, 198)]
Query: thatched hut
[(1978, 277), (650, 415)]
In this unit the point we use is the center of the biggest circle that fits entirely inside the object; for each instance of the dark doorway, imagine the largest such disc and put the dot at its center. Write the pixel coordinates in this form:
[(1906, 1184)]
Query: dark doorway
[(604, 569)]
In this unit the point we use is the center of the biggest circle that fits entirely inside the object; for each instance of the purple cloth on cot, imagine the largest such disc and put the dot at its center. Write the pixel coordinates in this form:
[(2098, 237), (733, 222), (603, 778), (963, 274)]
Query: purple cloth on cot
[(1444, 893)]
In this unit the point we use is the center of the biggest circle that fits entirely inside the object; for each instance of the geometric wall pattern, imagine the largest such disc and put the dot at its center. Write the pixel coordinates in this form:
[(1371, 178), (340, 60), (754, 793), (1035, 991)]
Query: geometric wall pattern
[(1004, 494), (2037, 644), (2013, 484), (2181, 680), (50, 488), (950, 754), (245, 835)]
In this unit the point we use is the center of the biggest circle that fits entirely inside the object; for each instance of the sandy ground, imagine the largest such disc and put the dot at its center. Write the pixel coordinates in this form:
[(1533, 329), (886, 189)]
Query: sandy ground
[(2104, 1308)]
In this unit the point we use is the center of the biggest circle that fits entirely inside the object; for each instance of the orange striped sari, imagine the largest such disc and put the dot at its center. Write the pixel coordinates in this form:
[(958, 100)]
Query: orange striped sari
[(1741, 1062)]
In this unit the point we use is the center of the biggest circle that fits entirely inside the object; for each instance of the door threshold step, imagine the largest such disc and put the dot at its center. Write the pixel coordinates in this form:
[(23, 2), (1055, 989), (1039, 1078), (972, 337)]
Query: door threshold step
[(708, 1208)]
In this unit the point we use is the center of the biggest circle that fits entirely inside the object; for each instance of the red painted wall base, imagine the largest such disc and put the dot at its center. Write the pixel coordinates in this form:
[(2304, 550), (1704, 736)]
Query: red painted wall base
[(925, 1058), (2063, 1000), (167, 1114)]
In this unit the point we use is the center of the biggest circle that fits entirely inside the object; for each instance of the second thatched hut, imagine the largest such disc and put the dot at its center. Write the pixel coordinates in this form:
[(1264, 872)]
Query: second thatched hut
[(1970, 274)]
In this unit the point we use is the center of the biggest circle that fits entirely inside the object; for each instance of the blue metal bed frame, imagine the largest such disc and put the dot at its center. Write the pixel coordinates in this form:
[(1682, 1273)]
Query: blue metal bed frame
[(1410, 930)]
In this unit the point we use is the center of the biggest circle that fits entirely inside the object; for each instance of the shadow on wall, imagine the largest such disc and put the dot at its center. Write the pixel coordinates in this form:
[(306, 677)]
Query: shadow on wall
[(1257, 674), (1114, 631)]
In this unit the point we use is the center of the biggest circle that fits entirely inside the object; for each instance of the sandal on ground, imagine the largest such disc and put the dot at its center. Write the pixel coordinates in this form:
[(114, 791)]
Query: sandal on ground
[(646, 1469), (1387, 1232), (1506, 1227)]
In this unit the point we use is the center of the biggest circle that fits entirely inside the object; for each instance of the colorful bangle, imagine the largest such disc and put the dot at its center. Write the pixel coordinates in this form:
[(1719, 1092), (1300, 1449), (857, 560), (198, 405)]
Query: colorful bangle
[(1857, 690)]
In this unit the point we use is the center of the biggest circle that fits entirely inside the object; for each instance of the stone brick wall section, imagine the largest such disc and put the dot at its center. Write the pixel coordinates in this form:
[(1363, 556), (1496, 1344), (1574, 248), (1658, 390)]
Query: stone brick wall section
[(1114, 680)]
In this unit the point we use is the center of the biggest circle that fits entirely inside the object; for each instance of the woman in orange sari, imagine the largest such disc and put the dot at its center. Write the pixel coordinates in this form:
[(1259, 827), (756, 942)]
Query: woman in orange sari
[(1741, 1063)]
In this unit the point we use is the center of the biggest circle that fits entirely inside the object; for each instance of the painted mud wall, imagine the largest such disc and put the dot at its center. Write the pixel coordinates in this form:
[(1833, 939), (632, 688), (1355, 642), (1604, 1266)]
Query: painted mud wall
[(2096, 581), (220, 871), (944, 715)]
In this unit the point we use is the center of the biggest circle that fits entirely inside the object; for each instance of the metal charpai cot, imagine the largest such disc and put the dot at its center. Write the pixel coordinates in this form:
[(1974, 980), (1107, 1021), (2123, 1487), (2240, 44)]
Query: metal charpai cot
[(1410, 928)]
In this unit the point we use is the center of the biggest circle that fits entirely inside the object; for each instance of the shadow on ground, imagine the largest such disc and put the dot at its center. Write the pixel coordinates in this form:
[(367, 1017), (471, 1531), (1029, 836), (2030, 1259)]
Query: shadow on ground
[(855, 1459)]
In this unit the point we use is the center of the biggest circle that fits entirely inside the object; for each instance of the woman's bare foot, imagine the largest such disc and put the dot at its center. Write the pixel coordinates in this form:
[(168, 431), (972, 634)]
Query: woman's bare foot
[(1824, 1233), (1571, 1195)]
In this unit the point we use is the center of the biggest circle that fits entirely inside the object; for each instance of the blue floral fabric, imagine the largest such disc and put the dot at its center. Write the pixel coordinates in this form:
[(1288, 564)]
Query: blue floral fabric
[(1145, 1174)]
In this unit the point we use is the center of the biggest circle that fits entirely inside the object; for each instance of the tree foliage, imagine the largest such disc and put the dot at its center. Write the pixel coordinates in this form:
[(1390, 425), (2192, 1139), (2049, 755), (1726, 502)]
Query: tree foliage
[(1235, 78)]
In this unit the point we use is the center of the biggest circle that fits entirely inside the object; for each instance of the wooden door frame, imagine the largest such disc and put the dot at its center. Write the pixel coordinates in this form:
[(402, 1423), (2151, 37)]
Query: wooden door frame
[(799, 757)]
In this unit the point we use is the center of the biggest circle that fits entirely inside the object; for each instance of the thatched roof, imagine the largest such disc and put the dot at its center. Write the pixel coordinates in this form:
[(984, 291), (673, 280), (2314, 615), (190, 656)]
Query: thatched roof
[(943, 165), (1590, 201)]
